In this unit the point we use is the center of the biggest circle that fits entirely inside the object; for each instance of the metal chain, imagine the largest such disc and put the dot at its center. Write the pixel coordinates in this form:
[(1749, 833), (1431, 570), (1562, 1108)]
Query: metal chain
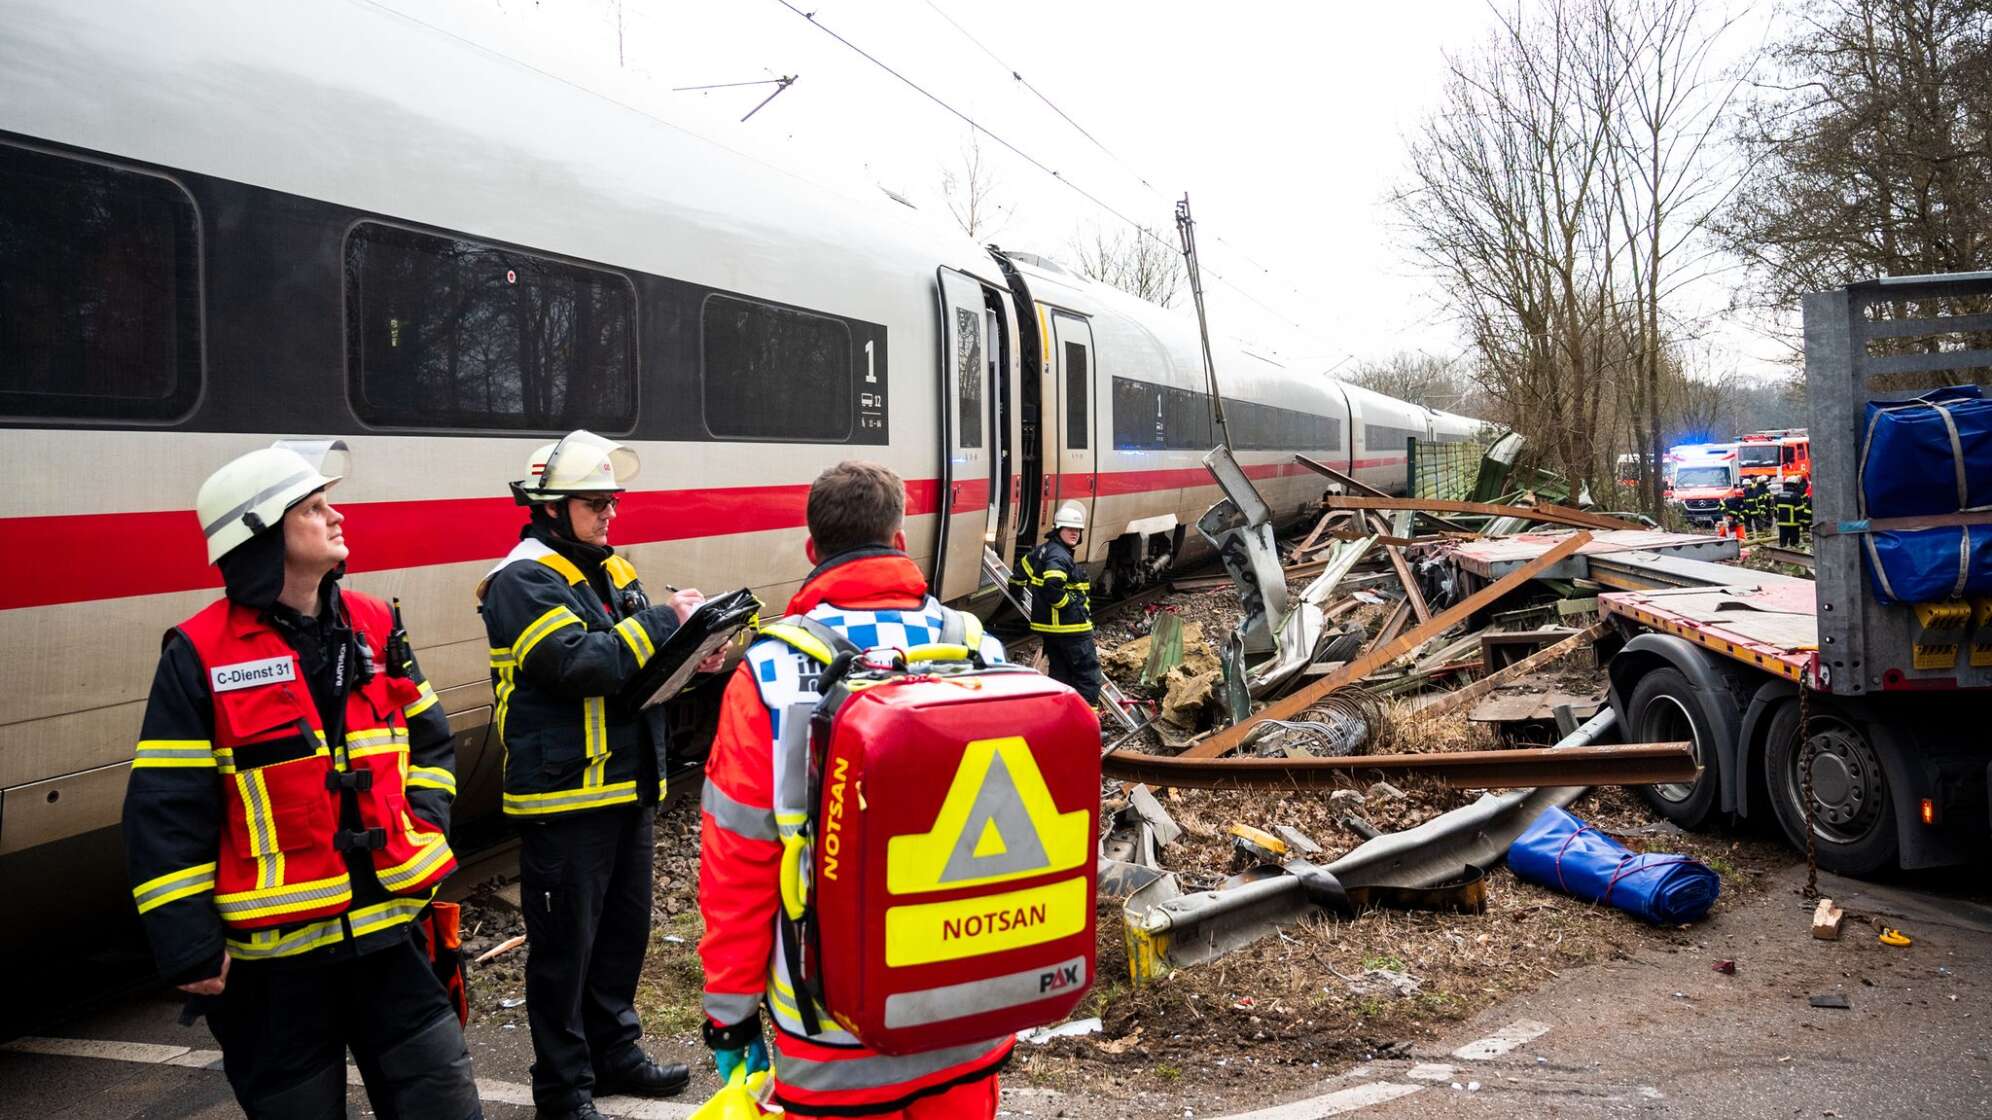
[(1804, 755)]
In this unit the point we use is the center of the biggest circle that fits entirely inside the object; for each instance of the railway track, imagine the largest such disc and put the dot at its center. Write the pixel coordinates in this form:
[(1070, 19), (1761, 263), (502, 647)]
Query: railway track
[(1787, 555)]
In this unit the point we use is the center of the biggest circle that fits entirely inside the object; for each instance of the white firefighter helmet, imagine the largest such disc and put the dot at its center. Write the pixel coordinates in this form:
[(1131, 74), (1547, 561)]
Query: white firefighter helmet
[(252, 492), (581, 462), (1071, 515)]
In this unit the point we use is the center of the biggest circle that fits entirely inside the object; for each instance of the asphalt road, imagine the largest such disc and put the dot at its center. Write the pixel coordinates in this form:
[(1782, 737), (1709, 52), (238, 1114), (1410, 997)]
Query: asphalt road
[(1658, 1036)]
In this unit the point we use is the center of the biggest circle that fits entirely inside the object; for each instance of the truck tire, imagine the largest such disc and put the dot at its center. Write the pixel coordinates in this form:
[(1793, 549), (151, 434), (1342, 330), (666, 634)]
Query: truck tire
[(1854, 824), (1665, 708)]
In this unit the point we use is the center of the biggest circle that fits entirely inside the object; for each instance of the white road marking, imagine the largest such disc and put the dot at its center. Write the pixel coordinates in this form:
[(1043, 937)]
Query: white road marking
[(1333, 1104), (142, 1053), (1502, 1041), (153, 1054), (1431, 1071), (197, 1059)]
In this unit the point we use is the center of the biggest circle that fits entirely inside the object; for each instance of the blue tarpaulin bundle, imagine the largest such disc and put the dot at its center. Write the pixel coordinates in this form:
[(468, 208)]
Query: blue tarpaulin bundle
[(1929, 455), (1558, 850)]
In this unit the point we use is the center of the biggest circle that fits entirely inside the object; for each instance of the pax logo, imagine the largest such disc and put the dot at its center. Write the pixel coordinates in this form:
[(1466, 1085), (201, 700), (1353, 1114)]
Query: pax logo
[(1058, 979)]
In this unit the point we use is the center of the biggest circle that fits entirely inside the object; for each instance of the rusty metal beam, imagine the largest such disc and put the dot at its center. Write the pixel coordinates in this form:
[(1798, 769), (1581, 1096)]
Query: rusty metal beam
[(1403, 568), (1384, 653), (1626, 765), (1333, 475), (1555, 515)]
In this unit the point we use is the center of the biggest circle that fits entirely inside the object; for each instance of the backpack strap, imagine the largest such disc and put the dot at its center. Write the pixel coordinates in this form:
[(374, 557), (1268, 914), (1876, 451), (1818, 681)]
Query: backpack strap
[(809, 637)]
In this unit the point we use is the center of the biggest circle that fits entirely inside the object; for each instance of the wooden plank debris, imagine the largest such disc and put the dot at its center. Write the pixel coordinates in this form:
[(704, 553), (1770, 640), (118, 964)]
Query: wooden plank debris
[(1384, 653), (1540, 659)]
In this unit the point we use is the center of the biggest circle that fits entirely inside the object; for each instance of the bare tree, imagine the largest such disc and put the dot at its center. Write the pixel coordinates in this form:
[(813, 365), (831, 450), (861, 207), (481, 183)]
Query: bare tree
[(1559, 196), (970, 188), (1421, 378), (1139, 262), (1869, 148), (1667, 186)]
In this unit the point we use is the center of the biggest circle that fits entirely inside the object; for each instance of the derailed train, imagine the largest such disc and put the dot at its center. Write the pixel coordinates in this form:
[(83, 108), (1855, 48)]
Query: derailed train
[(226, 223)]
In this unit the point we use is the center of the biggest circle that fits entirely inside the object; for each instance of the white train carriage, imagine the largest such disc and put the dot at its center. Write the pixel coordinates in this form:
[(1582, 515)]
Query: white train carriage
[(230, 222)]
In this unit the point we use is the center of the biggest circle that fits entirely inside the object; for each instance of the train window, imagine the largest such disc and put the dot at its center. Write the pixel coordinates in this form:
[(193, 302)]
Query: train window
[(99, 291), (444, 332), (968, 348), (775, 373), (1076, 382)]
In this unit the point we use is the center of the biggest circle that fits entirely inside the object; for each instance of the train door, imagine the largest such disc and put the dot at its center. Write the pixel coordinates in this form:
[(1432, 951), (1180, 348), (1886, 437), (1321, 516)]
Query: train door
[(1072, 402), (967, 435), (1004, 462)]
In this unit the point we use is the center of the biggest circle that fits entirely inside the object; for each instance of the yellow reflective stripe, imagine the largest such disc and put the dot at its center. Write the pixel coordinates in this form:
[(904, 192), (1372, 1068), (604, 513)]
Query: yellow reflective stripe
[(621, 572), (595, 739), (173, 754), (376, 741), (1067, 628), (638, 640), (971, 631), (172, 886), (937, 651), (432, 777), (542, 626), (255, 797), (263, 944), (506, 686), (416, 868), (540, 804), (801, 639), (246, 905), (422, 703), (502, 659), (562, 565)]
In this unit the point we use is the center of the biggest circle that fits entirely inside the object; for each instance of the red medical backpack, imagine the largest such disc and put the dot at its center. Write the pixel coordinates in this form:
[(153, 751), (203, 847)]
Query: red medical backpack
[(954, 868)]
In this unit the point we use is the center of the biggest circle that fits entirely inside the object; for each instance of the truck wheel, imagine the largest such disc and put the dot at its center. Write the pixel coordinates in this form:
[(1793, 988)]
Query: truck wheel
[(1853, 819), (1665, 709)]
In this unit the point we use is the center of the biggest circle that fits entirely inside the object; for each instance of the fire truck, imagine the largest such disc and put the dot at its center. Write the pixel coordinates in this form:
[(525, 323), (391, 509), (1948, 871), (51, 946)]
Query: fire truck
[(1777, 455), (1852, 708)]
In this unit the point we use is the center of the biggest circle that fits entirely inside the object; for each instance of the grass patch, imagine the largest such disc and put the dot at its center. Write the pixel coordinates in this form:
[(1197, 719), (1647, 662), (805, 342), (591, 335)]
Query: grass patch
[(1167, 1072), (1384, 960), (671, 992)]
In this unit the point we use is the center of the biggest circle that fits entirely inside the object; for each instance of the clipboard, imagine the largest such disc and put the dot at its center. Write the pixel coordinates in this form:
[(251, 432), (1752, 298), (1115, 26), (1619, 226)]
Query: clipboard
[(706, 632)]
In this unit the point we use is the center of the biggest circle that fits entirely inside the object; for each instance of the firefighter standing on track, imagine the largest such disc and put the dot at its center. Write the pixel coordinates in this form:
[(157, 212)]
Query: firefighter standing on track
[(1788, 507), (569, 624), (287, 816), (865, 588), (1759, 512), (1061, 613)]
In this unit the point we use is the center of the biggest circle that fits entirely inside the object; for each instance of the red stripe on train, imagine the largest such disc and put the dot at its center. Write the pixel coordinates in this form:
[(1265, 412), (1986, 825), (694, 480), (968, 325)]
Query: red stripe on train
[(156, 552)]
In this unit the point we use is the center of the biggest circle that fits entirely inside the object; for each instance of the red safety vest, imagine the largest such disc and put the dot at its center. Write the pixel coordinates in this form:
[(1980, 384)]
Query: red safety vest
[(282, 856)]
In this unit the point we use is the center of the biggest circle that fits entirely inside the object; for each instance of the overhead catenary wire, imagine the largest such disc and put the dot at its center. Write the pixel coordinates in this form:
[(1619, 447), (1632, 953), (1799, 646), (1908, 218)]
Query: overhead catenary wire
[(1140, 229), (1097, 143)]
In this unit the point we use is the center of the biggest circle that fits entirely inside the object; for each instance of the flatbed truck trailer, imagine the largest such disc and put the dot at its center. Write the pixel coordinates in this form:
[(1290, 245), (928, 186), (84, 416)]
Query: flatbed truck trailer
[(1865, 723)]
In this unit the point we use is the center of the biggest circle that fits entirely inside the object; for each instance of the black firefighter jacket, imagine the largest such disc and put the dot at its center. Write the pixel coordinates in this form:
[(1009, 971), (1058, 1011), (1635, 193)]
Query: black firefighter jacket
[(568, 625)]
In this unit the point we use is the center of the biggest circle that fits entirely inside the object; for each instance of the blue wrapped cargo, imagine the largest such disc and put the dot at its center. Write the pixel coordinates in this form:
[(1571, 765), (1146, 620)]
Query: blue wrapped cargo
[(1927, 456), (1558, 850)]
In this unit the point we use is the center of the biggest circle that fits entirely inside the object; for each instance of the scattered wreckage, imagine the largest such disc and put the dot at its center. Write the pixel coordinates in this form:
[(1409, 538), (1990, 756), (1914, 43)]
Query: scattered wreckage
[(1301, 696)]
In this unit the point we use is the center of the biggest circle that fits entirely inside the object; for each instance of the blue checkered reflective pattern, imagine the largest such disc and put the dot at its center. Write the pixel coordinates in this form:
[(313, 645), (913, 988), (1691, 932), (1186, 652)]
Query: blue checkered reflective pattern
[(787, 676)]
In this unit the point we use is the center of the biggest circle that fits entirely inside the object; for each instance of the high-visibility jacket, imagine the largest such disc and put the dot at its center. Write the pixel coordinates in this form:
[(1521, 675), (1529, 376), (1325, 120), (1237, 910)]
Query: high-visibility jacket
[(560, 651), (1788, 509), (874, 597), (247, 825), (1060, 595)]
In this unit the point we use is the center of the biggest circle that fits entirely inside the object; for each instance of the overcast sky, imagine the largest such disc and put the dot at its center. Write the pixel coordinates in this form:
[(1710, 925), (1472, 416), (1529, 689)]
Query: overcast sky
[(1286, 123)]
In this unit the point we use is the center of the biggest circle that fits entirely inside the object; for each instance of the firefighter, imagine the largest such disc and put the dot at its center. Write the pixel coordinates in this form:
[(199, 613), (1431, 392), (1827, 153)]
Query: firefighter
[(1788, 513), (568, 624), (277, 876), (1758, 513), (866, 588), (1805, 512), (1060, 612)]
